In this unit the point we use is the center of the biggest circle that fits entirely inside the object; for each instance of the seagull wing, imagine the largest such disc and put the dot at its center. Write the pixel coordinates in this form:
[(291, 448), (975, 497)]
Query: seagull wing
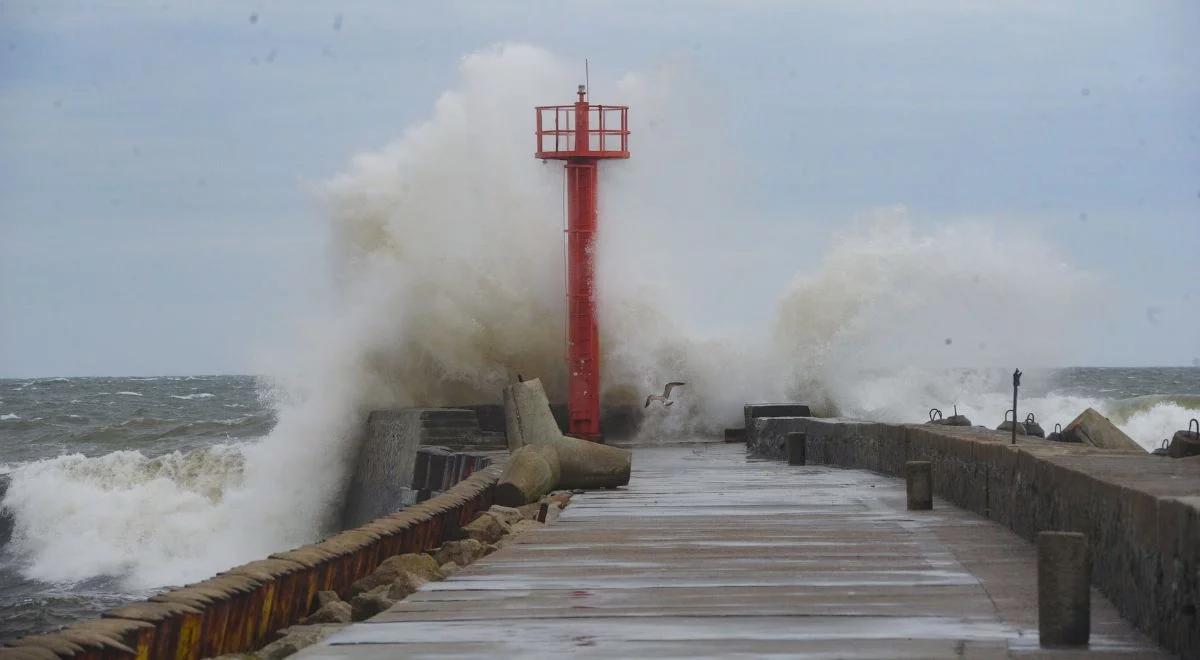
[(648, 401), (671, 386)]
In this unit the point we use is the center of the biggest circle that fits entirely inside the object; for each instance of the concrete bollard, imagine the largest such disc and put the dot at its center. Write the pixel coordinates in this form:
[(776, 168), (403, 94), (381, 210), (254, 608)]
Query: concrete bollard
[(1064, 589), (797, 447), (918, 478)]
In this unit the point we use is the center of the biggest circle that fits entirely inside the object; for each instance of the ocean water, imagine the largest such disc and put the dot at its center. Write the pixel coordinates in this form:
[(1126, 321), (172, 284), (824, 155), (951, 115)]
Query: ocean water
[(121, 434), (96, 420)]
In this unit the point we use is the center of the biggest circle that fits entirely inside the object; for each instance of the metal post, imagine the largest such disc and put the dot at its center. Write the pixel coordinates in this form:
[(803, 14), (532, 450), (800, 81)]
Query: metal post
[(1016, 384), (583, 348)]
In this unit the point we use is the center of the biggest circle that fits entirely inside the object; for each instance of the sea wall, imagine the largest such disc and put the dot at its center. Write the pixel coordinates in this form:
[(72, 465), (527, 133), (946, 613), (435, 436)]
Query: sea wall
[(388, 457), (1141, 513), (240, 609)]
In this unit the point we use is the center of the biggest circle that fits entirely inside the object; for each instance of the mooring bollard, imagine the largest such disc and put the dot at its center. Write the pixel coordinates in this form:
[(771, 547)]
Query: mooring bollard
[(1064, 589), (918, 478), (796, 447)]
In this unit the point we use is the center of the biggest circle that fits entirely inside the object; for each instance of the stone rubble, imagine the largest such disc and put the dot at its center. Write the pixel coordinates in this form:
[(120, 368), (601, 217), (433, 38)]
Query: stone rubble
[(399, 576)]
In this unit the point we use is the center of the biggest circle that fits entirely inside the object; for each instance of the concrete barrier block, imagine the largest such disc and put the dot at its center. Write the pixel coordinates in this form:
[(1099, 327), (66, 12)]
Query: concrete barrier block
[(1184, 443), (1094, 429), (752, 411), (1064, 589), (527, 415), (918, 477)]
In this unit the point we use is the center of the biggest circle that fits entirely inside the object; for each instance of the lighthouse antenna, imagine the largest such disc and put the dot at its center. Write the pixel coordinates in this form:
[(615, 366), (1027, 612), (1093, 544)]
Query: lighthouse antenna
[(587, 83)]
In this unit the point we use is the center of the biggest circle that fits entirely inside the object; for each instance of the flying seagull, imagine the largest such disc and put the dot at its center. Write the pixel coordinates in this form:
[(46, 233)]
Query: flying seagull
[(664, 396)]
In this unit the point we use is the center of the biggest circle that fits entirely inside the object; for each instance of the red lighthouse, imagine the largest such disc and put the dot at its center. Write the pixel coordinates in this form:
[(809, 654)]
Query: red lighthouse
[(582, 134)]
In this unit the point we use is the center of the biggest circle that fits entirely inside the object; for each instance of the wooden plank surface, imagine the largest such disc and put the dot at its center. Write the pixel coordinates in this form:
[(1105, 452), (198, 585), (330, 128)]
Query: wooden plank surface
[(708, 554)]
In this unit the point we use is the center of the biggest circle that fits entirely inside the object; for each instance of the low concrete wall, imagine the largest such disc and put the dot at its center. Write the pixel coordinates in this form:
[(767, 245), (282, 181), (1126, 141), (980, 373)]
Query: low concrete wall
[(382, 481), (239, 609), (1141, 513)]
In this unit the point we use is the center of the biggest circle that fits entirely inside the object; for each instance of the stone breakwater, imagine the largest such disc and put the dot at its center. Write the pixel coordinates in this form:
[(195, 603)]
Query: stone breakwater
[(1140, 513), (241, 609)]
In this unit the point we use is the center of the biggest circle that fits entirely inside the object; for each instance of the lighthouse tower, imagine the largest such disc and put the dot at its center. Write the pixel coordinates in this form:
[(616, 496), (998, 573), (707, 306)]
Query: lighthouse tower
[(582, 134)]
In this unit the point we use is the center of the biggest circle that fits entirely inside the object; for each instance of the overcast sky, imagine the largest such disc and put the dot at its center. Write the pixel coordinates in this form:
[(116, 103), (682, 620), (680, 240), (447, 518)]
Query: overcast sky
[(157, 159)]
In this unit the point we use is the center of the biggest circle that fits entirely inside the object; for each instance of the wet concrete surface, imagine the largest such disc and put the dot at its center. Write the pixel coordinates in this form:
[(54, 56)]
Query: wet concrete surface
[(708, 554)]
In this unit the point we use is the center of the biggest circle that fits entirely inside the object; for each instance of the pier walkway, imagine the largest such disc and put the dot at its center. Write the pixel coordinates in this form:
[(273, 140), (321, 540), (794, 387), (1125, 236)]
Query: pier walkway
[(708, 554)]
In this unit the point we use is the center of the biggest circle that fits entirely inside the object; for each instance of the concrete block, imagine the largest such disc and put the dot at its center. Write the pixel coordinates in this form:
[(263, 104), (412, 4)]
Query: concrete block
[(532, 471), (1184, 443), (581, 464), (752, 411), (1064, 589), (385, 464), (1094, 429), (918, 478), (527, 415)]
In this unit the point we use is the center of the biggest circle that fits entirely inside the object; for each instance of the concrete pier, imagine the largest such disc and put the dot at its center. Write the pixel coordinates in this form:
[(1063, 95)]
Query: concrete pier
[(709, 554)]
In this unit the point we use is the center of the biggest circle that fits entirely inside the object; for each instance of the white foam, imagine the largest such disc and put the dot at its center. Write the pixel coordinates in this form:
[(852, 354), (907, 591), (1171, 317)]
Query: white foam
[(130, 393), (190, 397), (9, 416)]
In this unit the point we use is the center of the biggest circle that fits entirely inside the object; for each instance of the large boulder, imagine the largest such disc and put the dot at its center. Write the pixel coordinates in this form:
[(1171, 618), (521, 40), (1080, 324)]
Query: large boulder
[(337, 611), (510, 514), (419, 564), (462, 553), (296, 638), (486, 528), (369, 603), (407, 584), (1092, 428)]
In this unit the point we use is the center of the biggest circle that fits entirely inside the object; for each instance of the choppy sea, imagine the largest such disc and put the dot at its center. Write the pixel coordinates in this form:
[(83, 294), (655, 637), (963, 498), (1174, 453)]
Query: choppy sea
[(123, 442)]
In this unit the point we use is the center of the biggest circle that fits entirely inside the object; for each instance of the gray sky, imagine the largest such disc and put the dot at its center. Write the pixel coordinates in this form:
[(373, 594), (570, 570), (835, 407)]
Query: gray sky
[(156, 159)]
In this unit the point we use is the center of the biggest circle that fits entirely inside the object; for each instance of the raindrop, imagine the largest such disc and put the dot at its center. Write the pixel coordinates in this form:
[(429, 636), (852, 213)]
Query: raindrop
[(1083, 217), (337, 22), (949, 341), (1085, 91), (271, 56), (254, 17)]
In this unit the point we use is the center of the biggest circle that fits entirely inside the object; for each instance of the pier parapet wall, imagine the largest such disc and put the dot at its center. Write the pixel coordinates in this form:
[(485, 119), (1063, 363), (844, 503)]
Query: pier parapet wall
[(1140, 513)]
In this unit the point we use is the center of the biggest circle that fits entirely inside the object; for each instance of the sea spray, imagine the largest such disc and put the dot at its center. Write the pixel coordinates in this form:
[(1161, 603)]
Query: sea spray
[(449, 279), (449, 283)]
